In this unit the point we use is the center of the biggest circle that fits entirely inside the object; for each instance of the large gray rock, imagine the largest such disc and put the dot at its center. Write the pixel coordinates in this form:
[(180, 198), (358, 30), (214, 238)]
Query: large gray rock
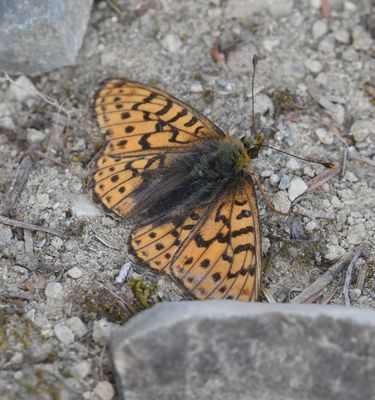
[(230, 350), (37, 36)]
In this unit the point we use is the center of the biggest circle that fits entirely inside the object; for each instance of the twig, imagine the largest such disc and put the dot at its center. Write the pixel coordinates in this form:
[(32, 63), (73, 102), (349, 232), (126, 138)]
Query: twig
[(28, 238), (353, 155), (362, 275), (329, 298), (322, 178), (24, 225), (312, 214), (324, 280), (47, 157), (125, 305), (268, 295), (18, 184), (16, 294), (314, 298), (103, 241), (358, 252)]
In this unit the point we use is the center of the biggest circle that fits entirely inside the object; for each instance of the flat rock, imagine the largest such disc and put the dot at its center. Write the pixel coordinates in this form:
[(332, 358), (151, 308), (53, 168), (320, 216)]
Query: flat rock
[(38, 36), (228, 350)]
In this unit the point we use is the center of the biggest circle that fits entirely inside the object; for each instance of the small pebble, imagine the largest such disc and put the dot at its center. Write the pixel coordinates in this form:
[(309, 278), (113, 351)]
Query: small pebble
[(17, 359), (293, 164), (76, 325), (83, 207), (266, 244), (274, 179), (75, 273), (263, 104), (23, 90), (324, 136), (361, 39), (355, 294), (362, 128), (171, 42), (5, 233), (319, 29), (196, 87), (54, 290), (39, 353), (296, 188), (104, 390), (311, 226), (342, 36), (101, 331), (356, 234), (284, 182), (81, 370), (63, 333), (35, 136), (281, 202), (266, 173), (314, 66), (333, 252)]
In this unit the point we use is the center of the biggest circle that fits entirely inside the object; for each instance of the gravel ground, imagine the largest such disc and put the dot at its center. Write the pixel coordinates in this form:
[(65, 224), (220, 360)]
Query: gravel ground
[(59, 295)]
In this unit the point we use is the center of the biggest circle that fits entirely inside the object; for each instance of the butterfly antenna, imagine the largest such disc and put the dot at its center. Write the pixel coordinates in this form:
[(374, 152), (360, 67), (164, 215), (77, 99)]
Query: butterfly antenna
[(255, 62), (325, 164)]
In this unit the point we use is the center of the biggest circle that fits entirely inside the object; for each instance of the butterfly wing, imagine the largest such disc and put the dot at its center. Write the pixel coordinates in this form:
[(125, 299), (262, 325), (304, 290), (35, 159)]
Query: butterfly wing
[(216, 255), (146, 127)]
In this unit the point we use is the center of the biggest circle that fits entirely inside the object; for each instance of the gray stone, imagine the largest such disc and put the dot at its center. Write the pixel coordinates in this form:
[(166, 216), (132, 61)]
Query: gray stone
[(319, 29), (101, 331), (281, 202), (232, 350), (63, 333), (38, 36), (284, 182), (171, 42)]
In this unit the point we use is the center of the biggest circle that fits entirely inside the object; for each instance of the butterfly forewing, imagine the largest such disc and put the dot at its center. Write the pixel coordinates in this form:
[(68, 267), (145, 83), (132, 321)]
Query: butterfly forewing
[(146, 126)]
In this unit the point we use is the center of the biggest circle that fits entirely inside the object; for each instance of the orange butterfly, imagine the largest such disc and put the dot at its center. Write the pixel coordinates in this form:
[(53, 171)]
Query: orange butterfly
[(187, 184)]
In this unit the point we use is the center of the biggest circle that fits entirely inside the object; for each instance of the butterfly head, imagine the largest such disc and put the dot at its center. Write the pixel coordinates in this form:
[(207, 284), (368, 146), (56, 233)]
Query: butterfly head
[(253, 144)]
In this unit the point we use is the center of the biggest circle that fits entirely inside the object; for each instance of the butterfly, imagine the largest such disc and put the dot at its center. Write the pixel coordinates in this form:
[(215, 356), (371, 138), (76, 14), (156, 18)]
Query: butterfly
[(187, 186)]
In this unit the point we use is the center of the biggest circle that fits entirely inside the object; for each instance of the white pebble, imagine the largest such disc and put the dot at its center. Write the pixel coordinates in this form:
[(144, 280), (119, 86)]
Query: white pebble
[(296, 188), (23, 90), (101, 331), (34, 136), (311, 226), (76, 325), (281, 202), (314, 66), (196, 87), (319, 29), (83, 207), (324, 136), (334, 252), (342, 36), (293, 164), (75, 273), (104, 390), (362, 128), (81, 370), (171, 42), (63, 333), (54, 290)]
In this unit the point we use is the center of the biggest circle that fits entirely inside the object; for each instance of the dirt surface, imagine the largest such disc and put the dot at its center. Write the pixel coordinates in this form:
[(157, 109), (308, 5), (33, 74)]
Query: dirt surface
[(58, 293)]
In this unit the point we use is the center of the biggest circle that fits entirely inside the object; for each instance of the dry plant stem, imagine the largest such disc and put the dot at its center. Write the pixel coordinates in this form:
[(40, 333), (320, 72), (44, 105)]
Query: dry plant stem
[(358, 252), (313, 214), (268, 295), (324, 280), (353, 155), (18, 184), (23, 225), (322, 178), (329, 298), (106, 243), (16, 294)]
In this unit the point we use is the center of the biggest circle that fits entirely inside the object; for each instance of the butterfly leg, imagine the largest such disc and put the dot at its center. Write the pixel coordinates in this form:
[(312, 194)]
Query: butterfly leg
[(265, 197)]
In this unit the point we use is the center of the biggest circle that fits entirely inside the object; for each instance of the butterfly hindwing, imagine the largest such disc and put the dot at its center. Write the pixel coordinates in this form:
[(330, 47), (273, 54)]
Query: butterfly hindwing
[(216, 254), (155, 244), (146, 127), (221, 259)]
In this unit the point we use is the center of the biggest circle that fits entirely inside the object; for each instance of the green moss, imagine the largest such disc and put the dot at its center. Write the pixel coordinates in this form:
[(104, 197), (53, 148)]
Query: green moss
[(142, 292)]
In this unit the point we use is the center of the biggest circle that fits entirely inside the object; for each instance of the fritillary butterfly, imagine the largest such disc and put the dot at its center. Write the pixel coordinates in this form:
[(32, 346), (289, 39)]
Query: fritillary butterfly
[(188, 186)]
